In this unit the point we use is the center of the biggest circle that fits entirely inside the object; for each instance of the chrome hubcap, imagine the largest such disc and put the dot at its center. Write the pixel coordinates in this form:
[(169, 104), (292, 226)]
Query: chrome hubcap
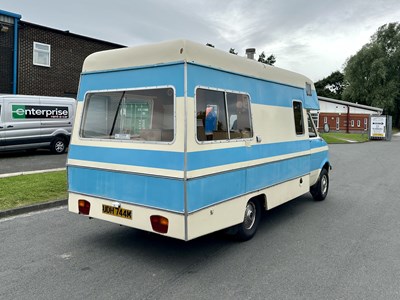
[(324, 185), (249, 215)]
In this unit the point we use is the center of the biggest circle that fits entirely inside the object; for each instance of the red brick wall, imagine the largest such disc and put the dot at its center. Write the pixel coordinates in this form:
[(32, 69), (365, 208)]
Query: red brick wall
[(6, 59), (331, 119), (68, 52)]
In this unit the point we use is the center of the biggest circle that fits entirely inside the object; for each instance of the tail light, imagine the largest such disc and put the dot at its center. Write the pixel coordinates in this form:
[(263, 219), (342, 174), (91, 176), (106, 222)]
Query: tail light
[(84, 207), (159, 224)]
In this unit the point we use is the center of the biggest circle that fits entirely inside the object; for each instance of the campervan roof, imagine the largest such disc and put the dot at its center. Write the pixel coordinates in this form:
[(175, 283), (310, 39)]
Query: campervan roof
[(190, 52)]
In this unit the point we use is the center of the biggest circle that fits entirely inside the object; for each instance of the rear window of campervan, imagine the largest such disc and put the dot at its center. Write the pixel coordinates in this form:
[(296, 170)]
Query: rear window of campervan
[(132, 115)]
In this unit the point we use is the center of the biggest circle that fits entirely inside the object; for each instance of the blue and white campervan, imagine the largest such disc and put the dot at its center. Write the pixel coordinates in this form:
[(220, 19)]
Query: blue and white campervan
[(183, 140)]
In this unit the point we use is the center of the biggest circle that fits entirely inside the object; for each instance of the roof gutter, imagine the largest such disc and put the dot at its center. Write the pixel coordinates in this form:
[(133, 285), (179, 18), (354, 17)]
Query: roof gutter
[(16, 18), (15, 55)]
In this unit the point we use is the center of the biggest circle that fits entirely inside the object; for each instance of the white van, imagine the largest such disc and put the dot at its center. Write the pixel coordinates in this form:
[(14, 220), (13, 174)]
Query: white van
[(182, 140), (32, 122)]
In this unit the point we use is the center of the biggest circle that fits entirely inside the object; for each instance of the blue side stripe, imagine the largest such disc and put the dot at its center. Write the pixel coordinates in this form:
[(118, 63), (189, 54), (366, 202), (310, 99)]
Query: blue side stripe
[(209, 190), (175, 160), (318, 160), (142, 190), (161, 75), (130, 157), (261, 91), (168, 194)]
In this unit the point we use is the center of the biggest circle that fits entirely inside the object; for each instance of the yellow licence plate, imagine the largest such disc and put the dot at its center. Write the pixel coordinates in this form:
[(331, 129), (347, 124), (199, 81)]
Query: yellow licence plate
[(118, 212)]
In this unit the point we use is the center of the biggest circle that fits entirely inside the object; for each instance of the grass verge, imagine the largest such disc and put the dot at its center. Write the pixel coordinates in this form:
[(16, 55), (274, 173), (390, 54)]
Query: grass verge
[(23, 190), (344, 138)]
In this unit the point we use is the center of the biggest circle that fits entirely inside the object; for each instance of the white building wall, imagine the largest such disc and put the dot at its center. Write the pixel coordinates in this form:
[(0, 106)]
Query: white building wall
[(329, 107)]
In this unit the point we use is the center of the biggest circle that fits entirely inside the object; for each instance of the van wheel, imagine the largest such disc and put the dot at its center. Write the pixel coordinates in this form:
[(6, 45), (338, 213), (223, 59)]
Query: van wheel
[(319, 191), (252, 216), (58, 146)]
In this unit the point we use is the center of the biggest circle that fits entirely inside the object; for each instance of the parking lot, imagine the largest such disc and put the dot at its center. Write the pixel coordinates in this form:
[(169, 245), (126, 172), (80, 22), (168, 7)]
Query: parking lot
[(25, 161), (346, 247)]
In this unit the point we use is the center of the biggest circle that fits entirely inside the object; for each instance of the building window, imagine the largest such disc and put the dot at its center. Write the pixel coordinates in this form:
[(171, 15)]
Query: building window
[(358, 123), (325, 120), (41, 54), (315, 118), (312, 132), (352, 123), (365, 123), (298, 117), (222, 115), (337, 123)]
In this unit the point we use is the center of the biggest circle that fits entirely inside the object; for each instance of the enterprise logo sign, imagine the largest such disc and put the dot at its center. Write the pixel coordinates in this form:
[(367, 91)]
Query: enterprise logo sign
[(39, 112)]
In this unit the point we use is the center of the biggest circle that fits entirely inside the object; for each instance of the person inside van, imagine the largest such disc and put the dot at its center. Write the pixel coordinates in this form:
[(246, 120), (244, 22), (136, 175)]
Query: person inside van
[(210, 121)]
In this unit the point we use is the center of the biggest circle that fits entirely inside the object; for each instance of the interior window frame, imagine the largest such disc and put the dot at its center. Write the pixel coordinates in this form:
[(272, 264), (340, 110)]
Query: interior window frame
[(302, 117), (123, 91), (229, 139), (311, 122)]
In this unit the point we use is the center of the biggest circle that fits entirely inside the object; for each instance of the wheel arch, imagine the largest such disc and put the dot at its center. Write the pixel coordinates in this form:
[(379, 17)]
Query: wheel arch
[(261, 199)]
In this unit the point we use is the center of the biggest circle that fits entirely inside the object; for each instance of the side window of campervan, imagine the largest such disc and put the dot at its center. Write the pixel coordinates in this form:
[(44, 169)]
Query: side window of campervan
[(298, 117), (134, 115), (222, 115)]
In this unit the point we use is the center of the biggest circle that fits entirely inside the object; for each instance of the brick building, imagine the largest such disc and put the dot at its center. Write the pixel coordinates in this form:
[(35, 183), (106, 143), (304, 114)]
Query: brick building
[(344, 116), (38, 60)]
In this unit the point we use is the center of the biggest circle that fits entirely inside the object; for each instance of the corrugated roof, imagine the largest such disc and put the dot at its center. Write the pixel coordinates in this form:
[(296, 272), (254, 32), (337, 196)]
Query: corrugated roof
[(350, 104)]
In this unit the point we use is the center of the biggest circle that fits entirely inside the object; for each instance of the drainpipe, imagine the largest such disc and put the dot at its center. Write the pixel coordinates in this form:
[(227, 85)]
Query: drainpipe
[(15, 55), (16, 18)]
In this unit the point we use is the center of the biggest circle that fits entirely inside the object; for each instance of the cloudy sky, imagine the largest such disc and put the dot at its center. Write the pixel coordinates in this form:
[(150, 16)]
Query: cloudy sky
[(312, 37)]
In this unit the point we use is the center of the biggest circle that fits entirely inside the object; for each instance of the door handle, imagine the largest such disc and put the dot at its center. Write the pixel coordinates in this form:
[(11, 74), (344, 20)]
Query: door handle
[(10, 126)]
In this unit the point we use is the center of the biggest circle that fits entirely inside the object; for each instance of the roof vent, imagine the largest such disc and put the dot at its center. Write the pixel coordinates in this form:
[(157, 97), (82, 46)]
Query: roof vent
[(250, 53)]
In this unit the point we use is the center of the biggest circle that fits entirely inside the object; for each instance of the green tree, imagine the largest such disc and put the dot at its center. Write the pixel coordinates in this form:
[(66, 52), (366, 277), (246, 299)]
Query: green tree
[(270, 60), (373, 73), (331, 86)]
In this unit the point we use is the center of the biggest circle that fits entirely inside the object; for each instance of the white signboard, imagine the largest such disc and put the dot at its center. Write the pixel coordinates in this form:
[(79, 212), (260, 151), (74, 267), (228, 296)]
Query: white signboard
[(378, 126)]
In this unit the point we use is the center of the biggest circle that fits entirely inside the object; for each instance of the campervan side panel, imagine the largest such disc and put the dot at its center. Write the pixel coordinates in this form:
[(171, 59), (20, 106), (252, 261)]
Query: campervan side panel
[(219, 171), (211, 189), (228, 213)]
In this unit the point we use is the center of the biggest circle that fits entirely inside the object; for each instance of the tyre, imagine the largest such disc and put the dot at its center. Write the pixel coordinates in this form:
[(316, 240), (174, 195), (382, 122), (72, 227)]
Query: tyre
[(58, 145), (319, 191), (252, 216)]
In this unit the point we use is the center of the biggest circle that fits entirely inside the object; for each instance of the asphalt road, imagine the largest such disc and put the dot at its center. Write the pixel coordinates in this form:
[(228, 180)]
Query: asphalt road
[(346, 247), (23, 161)]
